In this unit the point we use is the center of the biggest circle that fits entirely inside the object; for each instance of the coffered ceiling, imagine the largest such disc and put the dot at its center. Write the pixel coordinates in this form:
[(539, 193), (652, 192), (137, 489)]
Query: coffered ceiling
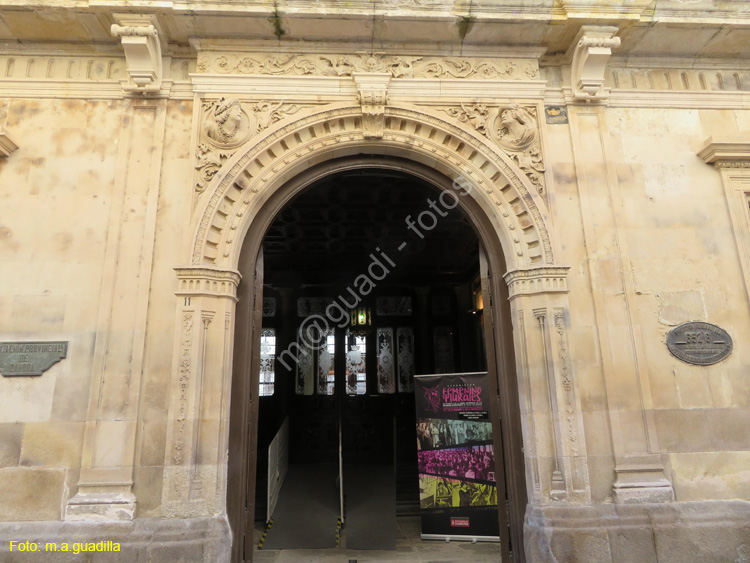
[(329, 232)]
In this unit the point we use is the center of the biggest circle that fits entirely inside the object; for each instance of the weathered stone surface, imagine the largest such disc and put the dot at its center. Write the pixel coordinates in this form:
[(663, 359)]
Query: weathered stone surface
[(203, 540), (57, 445), (688, 531), (10, 444), (31, 494)]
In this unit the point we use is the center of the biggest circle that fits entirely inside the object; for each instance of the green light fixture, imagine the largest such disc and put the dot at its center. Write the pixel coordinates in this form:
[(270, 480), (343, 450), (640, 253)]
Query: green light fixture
[(361, 321)]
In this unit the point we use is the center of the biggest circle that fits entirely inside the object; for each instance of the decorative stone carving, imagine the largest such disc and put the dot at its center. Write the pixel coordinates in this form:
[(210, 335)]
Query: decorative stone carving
[(140, 40), (592, 49), (514, 129), (545, 279), (557, 478), (579, 479), (373, 96), (7, 146), (226, 126), (203, 280), (535, 244), (346, 65), (208, 163), (185, 369)]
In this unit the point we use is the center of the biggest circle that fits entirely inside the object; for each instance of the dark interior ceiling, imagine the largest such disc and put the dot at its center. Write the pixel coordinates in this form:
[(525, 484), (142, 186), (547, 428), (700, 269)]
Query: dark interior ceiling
[(328, 232)]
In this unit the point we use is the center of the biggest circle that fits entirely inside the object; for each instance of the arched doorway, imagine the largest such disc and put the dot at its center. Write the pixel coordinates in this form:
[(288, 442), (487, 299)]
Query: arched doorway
[(533, 367), (500, 357)]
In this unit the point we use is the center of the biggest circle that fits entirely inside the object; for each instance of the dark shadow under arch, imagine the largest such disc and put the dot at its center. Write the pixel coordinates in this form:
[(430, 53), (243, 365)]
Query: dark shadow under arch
[(500, 361)]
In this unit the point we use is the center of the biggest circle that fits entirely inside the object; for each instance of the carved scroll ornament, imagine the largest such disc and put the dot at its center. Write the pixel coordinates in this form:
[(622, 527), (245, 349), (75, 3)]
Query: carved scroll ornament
[(143, 57), (346, 64), (590, 56)]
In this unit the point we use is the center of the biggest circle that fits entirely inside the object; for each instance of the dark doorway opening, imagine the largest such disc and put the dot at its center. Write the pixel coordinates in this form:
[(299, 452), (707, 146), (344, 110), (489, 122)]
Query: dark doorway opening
[(347, 387), (321, 264)]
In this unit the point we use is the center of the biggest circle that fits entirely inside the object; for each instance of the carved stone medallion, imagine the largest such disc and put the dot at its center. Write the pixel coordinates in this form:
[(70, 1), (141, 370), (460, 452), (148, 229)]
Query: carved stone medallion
[(226, 124), (513, 128)]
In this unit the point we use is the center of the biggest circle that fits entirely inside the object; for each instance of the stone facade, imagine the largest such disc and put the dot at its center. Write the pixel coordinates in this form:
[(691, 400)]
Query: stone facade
[(612, 160)]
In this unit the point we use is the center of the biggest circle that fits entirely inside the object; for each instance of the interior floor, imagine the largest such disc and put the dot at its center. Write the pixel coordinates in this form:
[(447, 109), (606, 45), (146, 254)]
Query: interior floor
[(409, 547)]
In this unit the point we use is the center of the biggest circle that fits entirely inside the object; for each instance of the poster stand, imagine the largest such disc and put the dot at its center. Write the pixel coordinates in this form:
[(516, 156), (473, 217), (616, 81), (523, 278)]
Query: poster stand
[(457, 489)]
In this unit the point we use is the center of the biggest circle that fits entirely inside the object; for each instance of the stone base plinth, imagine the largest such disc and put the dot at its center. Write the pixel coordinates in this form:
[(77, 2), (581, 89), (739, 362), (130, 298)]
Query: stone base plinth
[(675, 532), (100, 507), (199, 540)]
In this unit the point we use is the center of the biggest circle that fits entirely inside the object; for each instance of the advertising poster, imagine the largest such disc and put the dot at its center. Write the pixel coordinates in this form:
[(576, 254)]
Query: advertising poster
[(457, 491)]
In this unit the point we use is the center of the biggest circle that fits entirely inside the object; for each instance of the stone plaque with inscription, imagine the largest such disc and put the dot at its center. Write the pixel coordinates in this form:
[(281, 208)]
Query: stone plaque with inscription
[(30, 358), (698, 343)]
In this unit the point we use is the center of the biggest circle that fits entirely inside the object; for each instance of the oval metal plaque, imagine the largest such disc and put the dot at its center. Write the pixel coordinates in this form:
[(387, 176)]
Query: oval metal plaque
[(700, 344)]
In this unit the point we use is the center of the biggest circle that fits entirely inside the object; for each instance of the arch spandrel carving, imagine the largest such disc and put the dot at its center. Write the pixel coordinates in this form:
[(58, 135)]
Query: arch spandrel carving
[(266, 162)]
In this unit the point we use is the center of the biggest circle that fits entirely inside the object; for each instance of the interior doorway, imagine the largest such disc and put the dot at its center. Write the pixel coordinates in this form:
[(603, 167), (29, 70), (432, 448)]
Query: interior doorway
[(346, 390)]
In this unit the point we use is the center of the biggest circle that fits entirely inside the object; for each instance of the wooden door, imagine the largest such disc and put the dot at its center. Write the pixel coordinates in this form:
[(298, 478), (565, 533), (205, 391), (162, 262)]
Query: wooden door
[(497, 421), (243, 421)]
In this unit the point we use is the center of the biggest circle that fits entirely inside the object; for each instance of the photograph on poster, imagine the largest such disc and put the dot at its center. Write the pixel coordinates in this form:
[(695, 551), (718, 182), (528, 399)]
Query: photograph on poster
[(436, 433), (439, 492), (474, 462)]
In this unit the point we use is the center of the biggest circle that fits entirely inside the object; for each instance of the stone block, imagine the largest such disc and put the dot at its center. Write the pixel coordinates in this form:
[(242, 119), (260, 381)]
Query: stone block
[(52, 444), (31, 493), (147, 491), (680, 307), (683, 430), (11, 436), (632, 545), (729, 429), (711, 475), (153, 442)]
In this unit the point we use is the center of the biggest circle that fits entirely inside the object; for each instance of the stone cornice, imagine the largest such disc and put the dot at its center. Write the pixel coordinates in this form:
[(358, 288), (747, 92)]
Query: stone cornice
[(207, 281), (7, 146), (544, 279), (728, 153), (545, 10)]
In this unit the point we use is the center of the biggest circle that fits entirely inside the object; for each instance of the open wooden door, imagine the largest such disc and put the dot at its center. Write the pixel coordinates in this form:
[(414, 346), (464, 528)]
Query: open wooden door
[(243, 422), (253, 396), (497, 422)]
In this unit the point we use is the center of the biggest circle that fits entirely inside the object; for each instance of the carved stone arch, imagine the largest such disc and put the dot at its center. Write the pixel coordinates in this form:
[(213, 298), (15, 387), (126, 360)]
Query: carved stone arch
[(533, 369), (267, 162)]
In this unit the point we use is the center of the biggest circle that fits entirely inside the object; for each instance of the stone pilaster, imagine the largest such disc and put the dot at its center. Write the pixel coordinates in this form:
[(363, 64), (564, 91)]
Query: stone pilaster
[(639, 470), (106, 479), (195, 463), (556, 463)]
